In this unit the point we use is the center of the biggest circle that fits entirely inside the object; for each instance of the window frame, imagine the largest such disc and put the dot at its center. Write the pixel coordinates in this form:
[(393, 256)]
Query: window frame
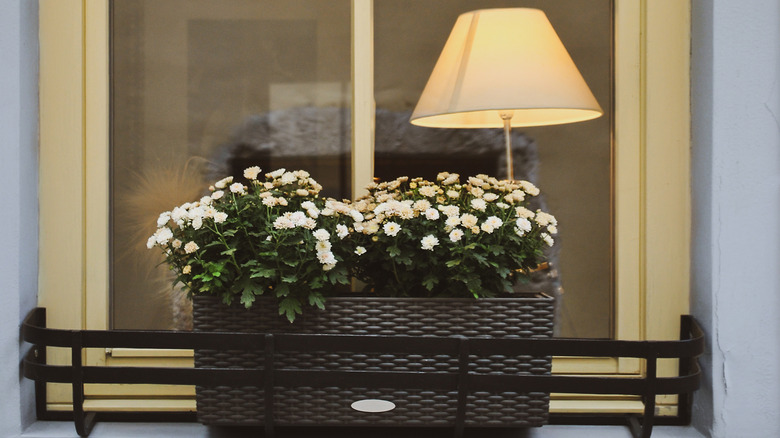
[(651, 173)]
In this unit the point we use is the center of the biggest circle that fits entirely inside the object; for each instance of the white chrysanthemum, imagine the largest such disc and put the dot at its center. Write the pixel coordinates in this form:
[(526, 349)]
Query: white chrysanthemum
[(552, 229), (428, 191), (421, 205), (489, 197), (176, 244), (431, 214), (360, 250), (529, 188), (327, 212), (308, 205), (522, 226), (301, 174), (151, 241), (356, 215), (238, 188), (302, 192), (218, 194), (428, 242), (326, 258), (251, 172), (191, 247), (478, 204), (491, 224), (221, 184), (454, 194), (545, 219), (547, 239), (449, 210), (178, 214), (451, 179), (269, 201), (268, 185), (276, 173), (468, 220), (523, 212), (206, 200), (283, 222), (163, 219), (502, 205), (186, 270), (372, 227), (288, 178), (281, 201), (391, 228), (328, 267), (323, 246), (452, 221), (477, 191), (313, 213), (342, 231), (197, 223), (163, 235), (456, 235), (220, 217), (321, 234)]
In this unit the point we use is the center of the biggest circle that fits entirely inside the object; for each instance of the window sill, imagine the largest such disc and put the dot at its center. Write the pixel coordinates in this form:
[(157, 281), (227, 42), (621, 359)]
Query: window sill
[(62, 429)]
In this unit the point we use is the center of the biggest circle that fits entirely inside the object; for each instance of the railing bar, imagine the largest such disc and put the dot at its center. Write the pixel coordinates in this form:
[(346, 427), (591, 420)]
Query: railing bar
[(268, 387)]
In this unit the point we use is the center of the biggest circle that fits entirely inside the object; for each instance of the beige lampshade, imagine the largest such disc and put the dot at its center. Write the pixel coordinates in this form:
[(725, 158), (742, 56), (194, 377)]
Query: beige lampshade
[(504, 60)]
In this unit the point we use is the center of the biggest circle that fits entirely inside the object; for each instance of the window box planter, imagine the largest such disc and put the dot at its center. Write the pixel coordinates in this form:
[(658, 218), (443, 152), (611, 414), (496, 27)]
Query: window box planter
[(521, 317)]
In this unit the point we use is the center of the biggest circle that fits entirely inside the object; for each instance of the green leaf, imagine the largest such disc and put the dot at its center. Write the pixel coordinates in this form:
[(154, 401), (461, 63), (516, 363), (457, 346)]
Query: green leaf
[(263, 272), (247, 298), (429, 281), (316, 299), (394, 251), (289, 307), (229, 252), (452, 263), (290, 278), (282, 290)]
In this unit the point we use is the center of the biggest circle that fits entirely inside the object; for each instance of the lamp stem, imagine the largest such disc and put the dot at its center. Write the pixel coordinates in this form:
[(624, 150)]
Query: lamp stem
[(506, 116)]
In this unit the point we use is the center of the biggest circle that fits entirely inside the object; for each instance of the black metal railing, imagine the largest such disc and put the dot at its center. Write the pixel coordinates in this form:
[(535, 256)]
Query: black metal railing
[(687, 349)]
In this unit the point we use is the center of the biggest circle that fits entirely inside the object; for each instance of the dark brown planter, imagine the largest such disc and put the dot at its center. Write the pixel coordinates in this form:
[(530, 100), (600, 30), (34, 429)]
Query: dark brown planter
[(523, 315)]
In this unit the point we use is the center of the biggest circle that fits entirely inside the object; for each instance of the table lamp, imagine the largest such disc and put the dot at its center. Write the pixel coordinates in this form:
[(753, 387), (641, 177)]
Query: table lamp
[(504, 68)]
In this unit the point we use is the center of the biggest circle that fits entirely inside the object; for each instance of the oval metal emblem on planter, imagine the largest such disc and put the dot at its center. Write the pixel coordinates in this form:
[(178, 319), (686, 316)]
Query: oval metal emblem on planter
[(373, 405)]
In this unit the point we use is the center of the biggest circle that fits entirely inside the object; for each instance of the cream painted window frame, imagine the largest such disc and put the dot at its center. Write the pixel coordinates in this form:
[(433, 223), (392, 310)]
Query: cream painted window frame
[(651, 175)]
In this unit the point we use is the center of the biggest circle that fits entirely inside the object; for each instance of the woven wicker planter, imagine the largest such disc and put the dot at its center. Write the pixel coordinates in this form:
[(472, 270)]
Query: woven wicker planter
[(523, 316)]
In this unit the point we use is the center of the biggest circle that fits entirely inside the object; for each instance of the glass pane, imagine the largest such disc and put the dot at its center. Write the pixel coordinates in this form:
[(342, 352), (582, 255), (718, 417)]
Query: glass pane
[(570, 163), (202, 89)]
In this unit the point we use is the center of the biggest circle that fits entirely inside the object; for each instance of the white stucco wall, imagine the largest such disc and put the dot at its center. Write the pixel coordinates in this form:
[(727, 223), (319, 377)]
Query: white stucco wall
[(18, 220), (736, 227)]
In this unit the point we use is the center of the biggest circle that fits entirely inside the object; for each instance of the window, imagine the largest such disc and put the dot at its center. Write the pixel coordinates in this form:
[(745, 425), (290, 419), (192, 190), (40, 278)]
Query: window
[(651, 175)]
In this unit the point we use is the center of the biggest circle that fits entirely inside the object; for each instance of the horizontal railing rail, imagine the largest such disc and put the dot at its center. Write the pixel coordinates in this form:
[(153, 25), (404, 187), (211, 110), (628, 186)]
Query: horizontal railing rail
[(687, 349)]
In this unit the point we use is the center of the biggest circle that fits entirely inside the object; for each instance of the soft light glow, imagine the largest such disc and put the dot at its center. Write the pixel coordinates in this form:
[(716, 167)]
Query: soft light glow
[(507, 61)]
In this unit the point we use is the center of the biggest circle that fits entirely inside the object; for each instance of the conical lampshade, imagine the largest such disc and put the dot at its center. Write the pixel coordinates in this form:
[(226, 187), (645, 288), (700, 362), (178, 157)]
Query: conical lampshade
[(504, 60)]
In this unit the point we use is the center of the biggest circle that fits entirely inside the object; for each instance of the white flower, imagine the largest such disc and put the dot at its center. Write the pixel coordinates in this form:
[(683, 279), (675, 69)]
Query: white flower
[(302, 192), (552, 229), (342, 231), (328, 267), (323, 246), (220, 217), (431, 214), (502, 205), (545, 219), (468, 220), (313, 213), (283, 222), (251, 172), (206, 200), (321, 235), (269, 201), (478, 204), (454, 194), (216, 195), (221, 184), (456, 234), (491, 224), (163, 235), (191, 247), (391, 228), (176, 244), (547, 239), (326, 258), (451, 179), (529, 188), (356, 215), (428, 191), (151, 242), (452, 221), (186, 270), (477, 191), (360, 250), (288, 178), (428, 242), (276, 173), (308, 205), (490, 197), (309, 223), (523, 212), (163, 219), (449, 210), (522, 226), (238, 188), (197, 223), (421, 205)]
